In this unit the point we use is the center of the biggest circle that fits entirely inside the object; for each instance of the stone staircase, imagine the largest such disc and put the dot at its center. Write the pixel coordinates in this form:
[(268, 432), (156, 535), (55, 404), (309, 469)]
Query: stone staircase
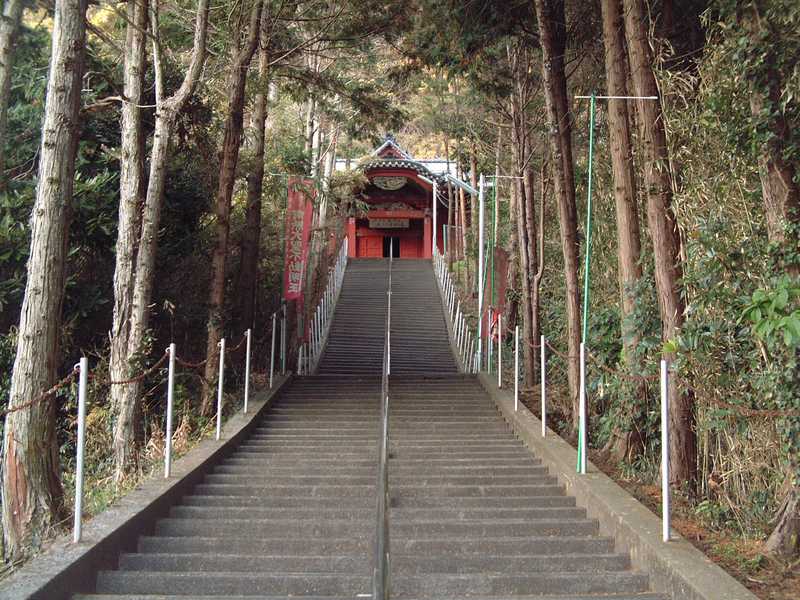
[(292, 512), (475, 515), (355, 341)]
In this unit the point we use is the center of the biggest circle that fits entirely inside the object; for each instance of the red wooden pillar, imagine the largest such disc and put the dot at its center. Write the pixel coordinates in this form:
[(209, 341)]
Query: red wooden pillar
[(351, 237), (427, 239)]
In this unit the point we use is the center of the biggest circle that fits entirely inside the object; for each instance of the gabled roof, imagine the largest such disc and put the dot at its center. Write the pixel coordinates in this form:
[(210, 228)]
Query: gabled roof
[(390, 149), (394, 163)]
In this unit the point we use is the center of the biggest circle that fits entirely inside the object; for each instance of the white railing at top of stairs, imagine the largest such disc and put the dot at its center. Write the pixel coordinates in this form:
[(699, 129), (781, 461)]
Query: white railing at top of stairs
[(310, 352), (462, 333)]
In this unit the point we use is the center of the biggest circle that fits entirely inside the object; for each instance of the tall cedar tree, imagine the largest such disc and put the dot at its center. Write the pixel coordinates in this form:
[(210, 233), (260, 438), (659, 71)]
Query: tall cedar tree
[(241, 55), (139, 287), (627, 441), (552, 34), (32, 493), (664, 234)]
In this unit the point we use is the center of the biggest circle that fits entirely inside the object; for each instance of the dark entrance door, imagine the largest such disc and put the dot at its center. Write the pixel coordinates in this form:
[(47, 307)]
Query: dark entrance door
[(391, 247)]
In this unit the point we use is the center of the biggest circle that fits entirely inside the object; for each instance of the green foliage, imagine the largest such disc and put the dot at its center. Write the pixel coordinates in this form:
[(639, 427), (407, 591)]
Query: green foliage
[(775, 313)]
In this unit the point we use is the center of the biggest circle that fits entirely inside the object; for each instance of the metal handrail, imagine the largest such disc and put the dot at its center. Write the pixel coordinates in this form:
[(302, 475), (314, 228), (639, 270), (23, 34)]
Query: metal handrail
[(380, 582)]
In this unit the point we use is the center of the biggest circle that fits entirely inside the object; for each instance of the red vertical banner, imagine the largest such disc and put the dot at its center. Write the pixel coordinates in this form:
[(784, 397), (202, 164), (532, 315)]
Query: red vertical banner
[(299, 211)]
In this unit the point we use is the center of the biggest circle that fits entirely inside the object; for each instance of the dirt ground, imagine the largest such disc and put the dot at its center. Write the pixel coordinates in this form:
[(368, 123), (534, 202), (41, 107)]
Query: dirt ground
[(767, 578), (743, 558)]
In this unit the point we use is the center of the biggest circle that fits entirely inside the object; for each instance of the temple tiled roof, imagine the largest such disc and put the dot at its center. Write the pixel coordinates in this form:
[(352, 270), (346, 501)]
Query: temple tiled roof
[(396, 163)]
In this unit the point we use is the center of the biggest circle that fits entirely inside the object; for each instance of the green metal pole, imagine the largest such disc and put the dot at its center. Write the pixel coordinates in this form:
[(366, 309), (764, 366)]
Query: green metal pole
[(588, 257)]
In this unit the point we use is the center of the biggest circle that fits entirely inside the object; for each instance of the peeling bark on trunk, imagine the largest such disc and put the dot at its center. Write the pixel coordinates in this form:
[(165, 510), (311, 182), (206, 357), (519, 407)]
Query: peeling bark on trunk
[(131, 192), (32, 493), (552, 33), (628, 442), (664, 233), (9, 27), (231, 141)]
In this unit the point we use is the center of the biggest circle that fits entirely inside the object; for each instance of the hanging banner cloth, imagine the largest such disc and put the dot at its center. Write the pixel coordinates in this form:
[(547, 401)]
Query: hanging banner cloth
[(299, 211)]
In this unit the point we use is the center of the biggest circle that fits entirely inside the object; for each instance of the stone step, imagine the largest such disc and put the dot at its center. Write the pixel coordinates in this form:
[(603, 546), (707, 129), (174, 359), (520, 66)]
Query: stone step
[(190, 583), (439, 529), (266, 545), (453, 586), (267, 501), (261, 527), (403, 564), (249, 563)]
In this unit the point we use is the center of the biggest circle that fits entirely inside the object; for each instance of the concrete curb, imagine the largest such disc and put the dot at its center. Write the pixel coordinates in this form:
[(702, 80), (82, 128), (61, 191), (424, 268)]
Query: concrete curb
[(676, 568), (66, 568)]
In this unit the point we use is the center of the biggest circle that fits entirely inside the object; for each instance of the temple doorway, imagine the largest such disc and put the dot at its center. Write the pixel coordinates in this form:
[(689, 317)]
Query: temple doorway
[(391, 246)]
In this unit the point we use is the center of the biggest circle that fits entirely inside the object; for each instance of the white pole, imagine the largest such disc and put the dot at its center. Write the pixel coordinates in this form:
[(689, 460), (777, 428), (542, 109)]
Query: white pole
[(472, 355), (170, 405), (300, 360), (491, 343), (83, 377), (500, 350), (542, 370), (582, 432), (220, 385), (283, 340), (457, 322), (389, 333), (247, 371), (272, 352), (480, 269), (516, 368), (435, 221), (665, 491)]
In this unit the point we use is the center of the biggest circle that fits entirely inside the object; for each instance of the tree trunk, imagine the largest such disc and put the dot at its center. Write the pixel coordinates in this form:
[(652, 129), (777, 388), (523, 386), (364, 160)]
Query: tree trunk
[(785, 538), (552, 33), (131, 192), (32, 493), (626, 441), (665, 237), (779, 187), (497, 194), (9, 27), (231, 141), (140, 291), (523, 198), (251, 239)]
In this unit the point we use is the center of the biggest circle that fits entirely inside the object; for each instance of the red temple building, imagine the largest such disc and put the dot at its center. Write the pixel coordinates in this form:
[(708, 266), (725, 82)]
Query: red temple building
[(400, 218)]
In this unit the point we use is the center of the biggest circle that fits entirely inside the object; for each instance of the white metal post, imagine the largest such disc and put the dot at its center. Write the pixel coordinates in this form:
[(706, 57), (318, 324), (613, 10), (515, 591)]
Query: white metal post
[(170, 407), (389, 333), (83, 377), (665, 491), (300, 360), (480, 268), (500, 350), (582, 432), (220, 385), (472, 355), (542, 371), (247, 371), (491, 343), (516, 368), (272, 352), (283, 339), (435, 203)]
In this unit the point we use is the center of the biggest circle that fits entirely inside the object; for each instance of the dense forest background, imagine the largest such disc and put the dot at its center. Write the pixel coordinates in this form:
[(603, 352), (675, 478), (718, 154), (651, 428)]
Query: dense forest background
[(191, 115)]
